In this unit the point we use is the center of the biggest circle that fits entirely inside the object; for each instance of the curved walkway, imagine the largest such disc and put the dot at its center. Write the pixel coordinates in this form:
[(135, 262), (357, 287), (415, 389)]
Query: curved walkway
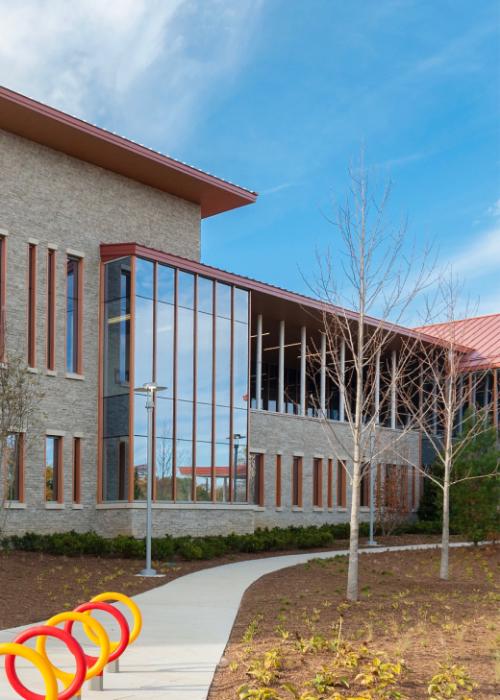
[(187, 624)]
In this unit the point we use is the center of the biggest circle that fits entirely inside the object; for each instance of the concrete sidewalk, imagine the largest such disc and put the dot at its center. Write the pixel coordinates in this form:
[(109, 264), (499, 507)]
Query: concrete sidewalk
[(187, 623)]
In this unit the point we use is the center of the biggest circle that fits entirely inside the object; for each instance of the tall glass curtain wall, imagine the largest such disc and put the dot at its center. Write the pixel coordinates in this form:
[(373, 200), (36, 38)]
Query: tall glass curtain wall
[(190, 336)]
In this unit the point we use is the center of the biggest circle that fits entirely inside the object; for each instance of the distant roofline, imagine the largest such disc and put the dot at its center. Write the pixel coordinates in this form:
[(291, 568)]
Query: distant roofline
[(457, 320), (51, 127), (111, 251)]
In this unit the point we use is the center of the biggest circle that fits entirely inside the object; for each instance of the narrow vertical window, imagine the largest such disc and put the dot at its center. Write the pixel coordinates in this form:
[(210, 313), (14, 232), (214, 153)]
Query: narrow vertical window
[(297, 482), (364, 496), (73, 315), (77, 460), (318, 483), (53, 468), (341, 485), (32, 305), (13, 467), (278, 481), (3, 269), (51, 309), (330, 484)]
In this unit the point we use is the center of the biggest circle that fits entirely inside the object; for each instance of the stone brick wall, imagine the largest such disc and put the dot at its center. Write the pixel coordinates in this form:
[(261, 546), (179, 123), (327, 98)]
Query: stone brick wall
[(289, 435), (58, 200)]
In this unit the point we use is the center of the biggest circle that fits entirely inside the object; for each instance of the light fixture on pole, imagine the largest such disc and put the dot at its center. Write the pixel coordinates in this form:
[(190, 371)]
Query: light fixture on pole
[(149, 389), (236, 440)]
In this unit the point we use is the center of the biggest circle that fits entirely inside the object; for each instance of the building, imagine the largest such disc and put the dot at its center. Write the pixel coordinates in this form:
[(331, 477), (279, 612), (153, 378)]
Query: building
[(102, 290)]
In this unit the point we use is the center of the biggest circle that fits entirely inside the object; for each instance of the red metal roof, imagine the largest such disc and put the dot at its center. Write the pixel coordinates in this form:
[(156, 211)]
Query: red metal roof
[(481, 333), (50, 127)]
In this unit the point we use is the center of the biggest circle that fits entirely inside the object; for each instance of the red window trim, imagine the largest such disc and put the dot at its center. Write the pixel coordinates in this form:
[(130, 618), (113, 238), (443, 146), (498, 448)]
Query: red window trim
[(79, 311), (329, 495), (31, 311), (51, 309), (297, 497), (3, 294), (341, 484), (318, 482), (77, 469), (278, 481), (60, 469)]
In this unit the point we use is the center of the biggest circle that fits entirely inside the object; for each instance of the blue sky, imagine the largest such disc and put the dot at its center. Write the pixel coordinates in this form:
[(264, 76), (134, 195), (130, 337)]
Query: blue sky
[(279, 96)]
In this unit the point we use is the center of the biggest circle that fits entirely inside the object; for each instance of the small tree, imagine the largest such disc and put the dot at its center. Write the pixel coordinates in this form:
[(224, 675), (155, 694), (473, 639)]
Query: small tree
[(373, 274), (20, 395)]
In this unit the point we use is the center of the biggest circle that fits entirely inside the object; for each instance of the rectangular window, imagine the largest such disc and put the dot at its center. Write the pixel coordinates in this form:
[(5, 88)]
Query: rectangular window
[(51, 309), (3, 291), (297, 482), (74, 287), (256, 478), (364, 495), (330, 484), (13, 467), (53, 468), (32, 305), (341, 485), (77, 460), (318, 483), (278, 481)]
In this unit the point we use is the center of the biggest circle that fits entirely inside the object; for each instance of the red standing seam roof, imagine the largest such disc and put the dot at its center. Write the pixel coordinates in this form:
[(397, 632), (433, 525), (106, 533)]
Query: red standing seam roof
[(481, 333)]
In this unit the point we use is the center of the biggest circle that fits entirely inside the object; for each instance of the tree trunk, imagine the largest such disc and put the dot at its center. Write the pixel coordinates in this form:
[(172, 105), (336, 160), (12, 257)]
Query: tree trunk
[(352, 571), (445, 538)]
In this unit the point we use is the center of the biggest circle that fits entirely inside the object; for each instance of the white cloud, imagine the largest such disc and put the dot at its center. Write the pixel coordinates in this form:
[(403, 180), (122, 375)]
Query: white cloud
[(480, 257), (143, 65), (494, 210)]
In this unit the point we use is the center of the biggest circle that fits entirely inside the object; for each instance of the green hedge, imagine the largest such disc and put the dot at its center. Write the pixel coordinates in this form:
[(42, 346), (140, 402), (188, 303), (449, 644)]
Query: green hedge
[(166, 548)]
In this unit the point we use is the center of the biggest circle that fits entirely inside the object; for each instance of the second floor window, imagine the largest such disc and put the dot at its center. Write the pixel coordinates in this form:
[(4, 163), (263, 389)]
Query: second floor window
[(73, 315), (51, 309), (32, 305)]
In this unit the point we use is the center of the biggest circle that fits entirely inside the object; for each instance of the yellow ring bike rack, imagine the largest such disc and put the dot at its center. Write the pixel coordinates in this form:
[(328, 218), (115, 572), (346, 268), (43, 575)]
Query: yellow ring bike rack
[(41, 663), (129, 603)]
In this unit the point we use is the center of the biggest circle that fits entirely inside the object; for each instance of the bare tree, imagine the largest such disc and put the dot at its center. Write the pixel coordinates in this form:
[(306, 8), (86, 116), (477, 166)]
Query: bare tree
[(20, 395), (376, 273), (447, 411)]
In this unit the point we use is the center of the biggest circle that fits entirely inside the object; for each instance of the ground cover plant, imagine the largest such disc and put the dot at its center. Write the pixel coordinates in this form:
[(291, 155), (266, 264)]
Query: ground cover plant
[(410, 635)]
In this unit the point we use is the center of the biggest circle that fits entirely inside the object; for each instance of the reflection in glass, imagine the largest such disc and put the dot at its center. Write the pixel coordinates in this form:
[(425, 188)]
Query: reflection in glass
[(140, 415), (140, 467), (185, 340), (240, 371), (143, 341), (115, 469), (164, 469), (203, 471), (164, 417), (204, 422), (205, 357), (222, 425), (223, 300), (222, 473), (115, 415), (185, 420), (205, 295), (72, 313), (223, 362), (52, 467), (165, 347), (240, 305), (11, 465), (144, 278), (166, 284), (184, 470), (185, 289)]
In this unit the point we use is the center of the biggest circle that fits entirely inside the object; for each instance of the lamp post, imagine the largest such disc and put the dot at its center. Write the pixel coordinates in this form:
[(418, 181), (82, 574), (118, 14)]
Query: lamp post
[(149, 389), (236, 438)]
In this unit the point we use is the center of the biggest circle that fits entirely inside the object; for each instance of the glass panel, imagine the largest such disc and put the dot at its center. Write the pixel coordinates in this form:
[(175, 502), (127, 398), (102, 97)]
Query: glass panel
[(223, 300), (204, 422), (184, 470), (203, 471), (166, 284), (205, 295), (117, 279), (116, 415), (163, 467), (205, 357), (222, 473), (51, 467), (11, 469), (240, 422), (223, 361), (240, 305), (185, 289), (240, 370), (164, 418), (185, 420), (72, 311), (165, 347), (222, 426), (140, 416), (140, 468), (143, 341), (185, 354), (115, 469), (116, 346), (144, 278)]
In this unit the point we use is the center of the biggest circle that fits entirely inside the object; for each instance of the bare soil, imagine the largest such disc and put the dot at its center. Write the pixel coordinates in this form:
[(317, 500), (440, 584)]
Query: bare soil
[(35, 586), (405, 611)]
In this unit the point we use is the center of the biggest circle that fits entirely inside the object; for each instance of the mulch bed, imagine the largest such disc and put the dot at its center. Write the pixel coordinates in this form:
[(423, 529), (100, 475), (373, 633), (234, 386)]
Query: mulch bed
[(404, 610), (35, 586)]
